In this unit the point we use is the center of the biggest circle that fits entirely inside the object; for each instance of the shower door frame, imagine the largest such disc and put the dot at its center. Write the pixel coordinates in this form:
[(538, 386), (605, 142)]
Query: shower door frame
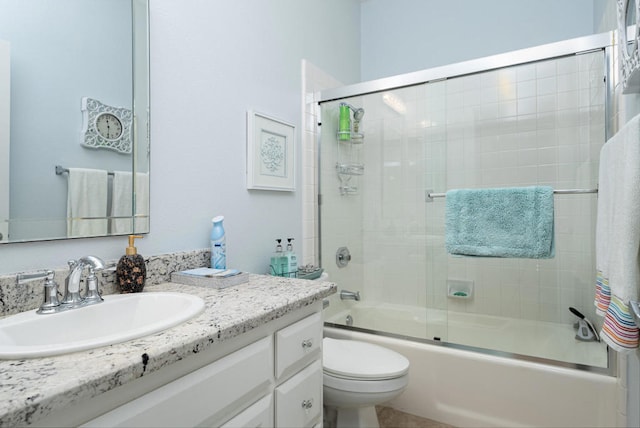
[(603, 41), (606, 42)]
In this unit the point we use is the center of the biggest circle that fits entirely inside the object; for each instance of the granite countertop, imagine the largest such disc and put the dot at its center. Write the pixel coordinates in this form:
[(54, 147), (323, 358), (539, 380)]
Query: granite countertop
[(33, 388)]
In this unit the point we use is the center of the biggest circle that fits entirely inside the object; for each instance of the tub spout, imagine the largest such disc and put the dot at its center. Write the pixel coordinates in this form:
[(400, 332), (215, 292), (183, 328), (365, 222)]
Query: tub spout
[(349, 295)]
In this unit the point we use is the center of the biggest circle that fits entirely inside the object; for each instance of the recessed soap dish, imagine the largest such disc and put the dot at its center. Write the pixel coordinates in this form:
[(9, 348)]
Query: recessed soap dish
[(459, 289)]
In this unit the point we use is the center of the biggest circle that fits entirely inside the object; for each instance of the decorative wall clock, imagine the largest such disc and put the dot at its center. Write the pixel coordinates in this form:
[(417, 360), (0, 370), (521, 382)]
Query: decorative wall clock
[(106, 127)]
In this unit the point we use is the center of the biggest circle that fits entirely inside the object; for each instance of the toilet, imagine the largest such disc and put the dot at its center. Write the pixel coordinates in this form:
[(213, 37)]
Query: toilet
[(357, 376)]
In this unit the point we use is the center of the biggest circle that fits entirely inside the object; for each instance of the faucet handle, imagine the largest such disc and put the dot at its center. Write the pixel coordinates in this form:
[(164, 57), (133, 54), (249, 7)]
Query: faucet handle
[(51, 302), (92, 294), (23, 278)]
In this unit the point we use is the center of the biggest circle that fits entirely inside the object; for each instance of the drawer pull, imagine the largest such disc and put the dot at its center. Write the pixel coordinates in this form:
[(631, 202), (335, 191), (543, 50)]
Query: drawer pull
[(307, 404), (308, 343)]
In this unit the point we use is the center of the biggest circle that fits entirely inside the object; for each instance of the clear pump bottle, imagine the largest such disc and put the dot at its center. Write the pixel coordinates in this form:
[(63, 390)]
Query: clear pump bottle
[(292, 260), (278, 261)]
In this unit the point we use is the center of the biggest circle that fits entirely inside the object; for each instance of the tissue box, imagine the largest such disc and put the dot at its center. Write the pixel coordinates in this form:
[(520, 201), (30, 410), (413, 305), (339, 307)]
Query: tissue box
[(207, 277)]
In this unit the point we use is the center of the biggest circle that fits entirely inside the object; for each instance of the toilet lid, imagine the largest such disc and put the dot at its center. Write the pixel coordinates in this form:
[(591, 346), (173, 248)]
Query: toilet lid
[(361, 360)]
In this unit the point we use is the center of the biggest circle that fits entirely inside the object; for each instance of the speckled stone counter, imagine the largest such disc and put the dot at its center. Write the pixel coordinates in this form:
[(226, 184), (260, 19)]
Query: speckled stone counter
[(14, 299), (32, 388)]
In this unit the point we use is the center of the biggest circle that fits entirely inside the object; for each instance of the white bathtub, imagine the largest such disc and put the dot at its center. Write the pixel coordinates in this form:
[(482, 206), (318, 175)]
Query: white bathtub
[(466, 388), (539, 339)]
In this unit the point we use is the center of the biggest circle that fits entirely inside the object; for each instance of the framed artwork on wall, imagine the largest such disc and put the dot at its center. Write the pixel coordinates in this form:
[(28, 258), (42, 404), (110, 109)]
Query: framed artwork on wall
[(270, 153)]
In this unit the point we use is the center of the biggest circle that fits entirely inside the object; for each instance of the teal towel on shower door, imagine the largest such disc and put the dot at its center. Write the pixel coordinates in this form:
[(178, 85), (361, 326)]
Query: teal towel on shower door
[(502, 222)]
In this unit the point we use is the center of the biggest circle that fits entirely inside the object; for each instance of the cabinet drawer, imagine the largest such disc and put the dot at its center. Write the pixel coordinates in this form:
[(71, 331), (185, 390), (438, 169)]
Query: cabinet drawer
[(298, 344), (258, 415), (299, 399), (203, 396)]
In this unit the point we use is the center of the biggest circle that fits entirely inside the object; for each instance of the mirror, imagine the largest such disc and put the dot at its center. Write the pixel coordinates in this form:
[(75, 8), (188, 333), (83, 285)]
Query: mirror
[(74, 118), (629, 39), (629, 20)]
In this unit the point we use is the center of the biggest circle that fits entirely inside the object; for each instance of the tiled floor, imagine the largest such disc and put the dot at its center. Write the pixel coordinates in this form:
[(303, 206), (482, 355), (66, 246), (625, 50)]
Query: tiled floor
[(392, 418)]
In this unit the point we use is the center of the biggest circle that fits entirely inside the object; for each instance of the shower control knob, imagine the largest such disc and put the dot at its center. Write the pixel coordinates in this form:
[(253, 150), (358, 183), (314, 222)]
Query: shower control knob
[(343, 257)]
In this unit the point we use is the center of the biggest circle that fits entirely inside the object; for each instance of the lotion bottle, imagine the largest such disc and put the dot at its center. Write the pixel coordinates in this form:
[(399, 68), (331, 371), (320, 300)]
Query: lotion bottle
[(131, 271)]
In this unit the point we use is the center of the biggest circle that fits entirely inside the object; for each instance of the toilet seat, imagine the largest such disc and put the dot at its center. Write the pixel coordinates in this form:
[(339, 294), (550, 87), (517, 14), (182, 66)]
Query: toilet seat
[(360, 361), (374, 386)]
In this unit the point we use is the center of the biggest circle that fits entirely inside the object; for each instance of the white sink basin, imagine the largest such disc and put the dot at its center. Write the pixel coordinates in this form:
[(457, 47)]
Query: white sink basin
[(119, 318)]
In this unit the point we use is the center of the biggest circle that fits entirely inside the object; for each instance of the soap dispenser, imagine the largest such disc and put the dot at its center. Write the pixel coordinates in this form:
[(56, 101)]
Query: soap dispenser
[(131, 271), (292, 260), (278, 261)]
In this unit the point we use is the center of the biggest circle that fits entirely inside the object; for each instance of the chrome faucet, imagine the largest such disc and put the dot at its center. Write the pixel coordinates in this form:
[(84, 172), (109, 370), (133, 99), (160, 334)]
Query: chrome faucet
[(349, 295), (72, 298)]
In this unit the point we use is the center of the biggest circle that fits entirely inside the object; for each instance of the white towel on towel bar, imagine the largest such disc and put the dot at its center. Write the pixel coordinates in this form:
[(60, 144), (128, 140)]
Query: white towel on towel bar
[(86, 202), (618, 236), (122, 203)]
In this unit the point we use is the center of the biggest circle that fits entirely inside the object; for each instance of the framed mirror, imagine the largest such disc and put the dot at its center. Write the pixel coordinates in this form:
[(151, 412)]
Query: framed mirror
[(629, 40), (74, 119)]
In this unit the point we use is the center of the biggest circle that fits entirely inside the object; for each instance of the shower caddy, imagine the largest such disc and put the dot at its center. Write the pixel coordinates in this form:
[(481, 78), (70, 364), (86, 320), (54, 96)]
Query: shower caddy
[(350, 140)]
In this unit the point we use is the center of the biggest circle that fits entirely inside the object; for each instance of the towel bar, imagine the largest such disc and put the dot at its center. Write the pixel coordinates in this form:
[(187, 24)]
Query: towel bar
[(60, 170), (429, 195)]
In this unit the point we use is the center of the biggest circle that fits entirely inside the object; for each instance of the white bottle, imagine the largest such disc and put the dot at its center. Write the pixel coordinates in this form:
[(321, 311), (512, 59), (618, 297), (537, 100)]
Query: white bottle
[(218, 244)]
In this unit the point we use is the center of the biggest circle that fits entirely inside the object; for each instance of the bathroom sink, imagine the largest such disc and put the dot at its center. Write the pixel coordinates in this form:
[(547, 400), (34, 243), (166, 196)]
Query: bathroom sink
[(119, 318)]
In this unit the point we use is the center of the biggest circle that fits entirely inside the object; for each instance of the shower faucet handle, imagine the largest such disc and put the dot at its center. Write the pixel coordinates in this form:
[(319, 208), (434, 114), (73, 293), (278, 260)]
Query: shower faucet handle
[(343, 257)]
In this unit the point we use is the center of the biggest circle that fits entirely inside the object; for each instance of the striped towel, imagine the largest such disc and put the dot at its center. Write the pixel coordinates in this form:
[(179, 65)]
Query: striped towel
[(618, 237)]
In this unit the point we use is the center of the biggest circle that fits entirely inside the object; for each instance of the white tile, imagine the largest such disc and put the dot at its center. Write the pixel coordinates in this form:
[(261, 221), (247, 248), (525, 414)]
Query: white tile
[(489, 94), (527, 106), (545, 69), (525, 72), (567, 65), (507, 108), (568, 100), (546, 103), (568, 82), (526, 89), (546, 86)]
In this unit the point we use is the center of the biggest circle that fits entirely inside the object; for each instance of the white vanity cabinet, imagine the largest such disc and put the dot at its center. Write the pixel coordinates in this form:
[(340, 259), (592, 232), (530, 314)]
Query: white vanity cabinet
[(198, 398), (276, 380), (298, 369)]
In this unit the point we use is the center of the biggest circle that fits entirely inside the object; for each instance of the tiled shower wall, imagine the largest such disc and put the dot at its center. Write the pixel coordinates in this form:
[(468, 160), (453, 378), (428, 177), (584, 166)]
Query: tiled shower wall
[(540, 123)]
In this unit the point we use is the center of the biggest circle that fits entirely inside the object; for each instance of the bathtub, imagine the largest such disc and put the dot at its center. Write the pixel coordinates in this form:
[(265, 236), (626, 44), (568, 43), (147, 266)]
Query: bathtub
[(462, 387)]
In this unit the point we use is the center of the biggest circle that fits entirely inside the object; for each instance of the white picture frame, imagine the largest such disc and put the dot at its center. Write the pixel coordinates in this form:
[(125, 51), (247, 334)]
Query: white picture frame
[(270, 153)]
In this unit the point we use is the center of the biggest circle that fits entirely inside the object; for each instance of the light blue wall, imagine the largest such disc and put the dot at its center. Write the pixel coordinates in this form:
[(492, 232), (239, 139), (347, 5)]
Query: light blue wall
[(211, 61), (399, 36)]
